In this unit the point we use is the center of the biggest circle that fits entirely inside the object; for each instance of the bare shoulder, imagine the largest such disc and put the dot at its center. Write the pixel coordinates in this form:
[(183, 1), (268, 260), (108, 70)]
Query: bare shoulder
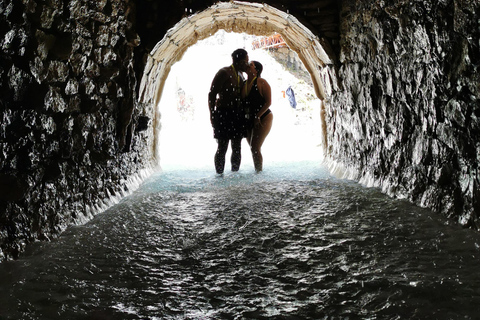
[(221, 76), (225, 69), (223, 72), (263, 83)]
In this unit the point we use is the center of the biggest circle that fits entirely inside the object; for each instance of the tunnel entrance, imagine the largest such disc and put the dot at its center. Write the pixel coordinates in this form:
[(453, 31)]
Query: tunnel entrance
[(239, 17), (186, 138)]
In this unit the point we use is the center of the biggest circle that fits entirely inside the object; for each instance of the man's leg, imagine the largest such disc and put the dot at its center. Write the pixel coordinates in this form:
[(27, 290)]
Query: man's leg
[(222, 146), (236, 154)]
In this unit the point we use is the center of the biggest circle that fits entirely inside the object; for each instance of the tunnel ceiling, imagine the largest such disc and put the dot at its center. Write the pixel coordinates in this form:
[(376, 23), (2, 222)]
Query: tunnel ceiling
[(154, 18), (402, 113)]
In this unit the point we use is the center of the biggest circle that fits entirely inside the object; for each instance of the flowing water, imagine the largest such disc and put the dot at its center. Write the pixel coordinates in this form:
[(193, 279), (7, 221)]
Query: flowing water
[(289, 243)]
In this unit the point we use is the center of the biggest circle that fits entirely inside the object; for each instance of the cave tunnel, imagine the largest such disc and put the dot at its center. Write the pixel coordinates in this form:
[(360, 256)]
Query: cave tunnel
[(185, 133), (253, 19), (398, 84)]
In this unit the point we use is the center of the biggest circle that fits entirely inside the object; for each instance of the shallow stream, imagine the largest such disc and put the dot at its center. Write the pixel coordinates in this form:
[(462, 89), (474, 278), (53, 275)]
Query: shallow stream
[(289, 243)]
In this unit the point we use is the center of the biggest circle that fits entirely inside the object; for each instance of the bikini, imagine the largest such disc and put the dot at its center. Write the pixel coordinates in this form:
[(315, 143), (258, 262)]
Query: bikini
[(255, 102)]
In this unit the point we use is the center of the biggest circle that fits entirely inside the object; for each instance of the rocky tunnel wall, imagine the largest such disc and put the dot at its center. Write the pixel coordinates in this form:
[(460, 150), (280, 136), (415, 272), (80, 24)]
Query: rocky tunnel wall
[(404, 114), (71, 135), (401, 102)]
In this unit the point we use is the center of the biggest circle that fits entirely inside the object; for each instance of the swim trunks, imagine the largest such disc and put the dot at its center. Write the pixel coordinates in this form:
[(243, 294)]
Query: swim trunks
[(228, 123)]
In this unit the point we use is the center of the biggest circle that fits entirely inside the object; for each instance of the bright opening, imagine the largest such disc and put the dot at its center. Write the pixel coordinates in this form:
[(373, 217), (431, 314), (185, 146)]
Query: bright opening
[(186, 136)]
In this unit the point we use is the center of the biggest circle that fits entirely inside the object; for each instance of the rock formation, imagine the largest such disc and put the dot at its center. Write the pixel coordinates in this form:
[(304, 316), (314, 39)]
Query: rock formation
[(400, 83), (404, 111), (69, 135)]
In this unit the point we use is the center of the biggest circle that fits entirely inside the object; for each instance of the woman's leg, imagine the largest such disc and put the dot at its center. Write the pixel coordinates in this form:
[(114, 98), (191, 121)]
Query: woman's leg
[(249, 136), (258, 137), (222, 146)]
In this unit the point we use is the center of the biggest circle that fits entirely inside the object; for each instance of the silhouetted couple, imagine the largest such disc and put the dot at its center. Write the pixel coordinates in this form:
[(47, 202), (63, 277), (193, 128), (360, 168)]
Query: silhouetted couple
[(240, 108)]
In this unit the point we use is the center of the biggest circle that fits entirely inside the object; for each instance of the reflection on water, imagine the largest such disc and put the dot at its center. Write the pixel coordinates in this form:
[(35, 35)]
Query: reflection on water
[(289, 243)]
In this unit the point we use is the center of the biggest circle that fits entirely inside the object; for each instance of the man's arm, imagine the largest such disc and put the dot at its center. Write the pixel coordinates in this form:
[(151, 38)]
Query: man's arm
[(215, 88)]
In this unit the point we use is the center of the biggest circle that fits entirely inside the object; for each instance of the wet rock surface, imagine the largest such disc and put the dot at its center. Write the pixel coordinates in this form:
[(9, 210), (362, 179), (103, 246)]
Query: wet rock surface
[(405, 112), (68, 138), (72, 131), (403, 108)]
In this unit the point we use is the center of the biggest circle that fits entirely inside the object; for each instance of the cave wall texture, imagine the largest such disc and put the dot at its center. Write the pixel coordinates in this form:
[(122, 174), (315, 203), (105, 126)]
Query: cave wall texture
[(71, 135), (402, 107), (405, 113)]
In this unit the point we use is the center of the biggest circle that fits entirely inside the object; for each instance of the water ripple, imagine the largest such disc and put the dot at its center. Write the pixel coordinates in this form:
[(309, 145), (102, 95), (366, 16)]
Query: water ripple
[(249, 246)]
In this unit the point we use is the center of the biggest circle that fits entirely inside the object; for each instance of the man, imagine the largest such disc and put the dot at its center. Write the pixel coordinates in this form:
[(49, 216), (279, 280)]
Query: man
[(226, 110)]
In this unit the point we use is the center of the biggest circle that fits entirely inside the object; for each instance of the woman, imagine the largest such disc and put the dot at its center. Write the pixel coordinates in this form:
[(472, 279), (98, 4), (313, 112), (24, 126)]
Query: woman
[(258, 98)]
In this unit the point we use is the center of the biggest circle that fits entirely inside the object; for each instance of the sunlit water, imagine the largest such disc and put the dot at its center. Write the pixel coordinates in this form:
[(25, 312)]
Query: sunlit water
[(289, 243)]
